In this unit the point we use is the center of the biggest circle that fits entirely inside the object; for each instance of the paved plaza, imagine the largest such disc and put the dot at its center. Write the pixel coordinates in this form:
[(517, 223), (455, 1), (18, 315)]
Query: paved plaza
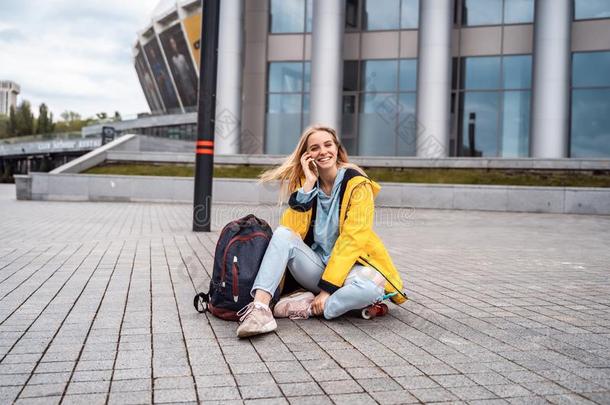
[(96, 307)]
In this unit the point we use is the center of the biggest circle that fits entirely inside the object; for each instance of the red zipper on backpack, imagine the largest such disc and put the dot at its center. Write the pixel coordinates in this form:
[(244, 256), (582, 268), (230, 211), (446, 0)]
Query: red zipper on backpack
[(235, 271), (235, 239)]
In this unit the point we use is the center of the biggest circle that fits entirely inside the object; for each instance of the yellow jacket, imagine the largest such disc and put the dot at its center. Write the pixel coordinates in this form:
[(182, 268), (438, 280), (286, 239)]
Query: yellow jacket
[(357, 242)]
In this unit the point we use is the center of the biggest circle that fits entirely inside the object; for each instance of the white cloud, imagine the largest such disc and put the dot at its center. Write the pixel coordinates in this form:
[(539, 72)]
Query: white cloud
[(74, 54)]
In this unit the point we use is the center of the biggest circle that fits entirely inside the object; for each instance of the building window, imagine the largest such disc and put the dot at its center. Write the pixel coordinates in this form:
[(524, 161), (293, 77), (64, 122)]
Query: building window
[(390, 14), (295, 16), (379, 107), (591, 9), (494, 106), (496, 12), (287, 105), (590, 131), (290, 16), (351, 15)]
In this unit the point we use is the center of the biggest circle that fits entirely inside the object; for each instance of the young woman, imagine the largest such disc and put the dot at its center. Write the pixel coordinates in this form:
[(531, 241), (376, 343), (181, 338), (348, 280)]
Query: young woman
[(325, 238)]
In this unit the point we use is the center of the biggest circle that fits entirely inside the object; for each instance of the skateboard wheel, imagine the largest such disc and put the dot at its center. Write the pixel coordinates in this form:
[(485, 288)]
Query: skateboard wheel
[(366, 313)]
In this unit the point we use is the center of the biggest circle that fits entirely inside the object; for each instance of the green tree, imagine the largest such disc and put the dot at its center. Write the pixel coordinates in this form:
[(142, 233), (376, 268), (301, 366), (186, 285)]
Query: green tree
[(117, 116), (4, 121), (102, 116), (71, 122), (21, 120), (26, 118), (44, 123), (12, 122), (70, 116)]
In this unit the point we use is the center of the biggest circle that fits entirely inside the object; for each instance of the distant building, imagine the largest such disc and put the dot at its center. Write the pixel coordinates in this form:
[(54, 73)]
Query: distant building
[(427, 78), (8, 96)]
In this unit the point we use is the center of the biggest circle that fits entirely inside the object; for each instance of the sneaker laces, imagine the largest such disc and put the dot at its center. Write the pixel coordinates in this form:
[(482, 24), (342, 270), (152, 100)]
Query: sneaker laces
[(245, 311), (299, 313)]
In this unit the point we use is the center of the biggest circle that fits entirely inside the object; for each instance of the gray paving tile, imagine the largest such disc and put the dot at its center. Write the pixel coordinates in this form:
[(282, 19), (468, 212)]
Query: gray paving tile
[(89, 399), (264, 401), (331, 374), (42, 390), (174, 395), (489, 319), (254, 379), (260, 391), (544, 388), (133, 397), (309, 400), (378, 384), (49, 400), (300, 389), (599, 397), (433, 394), (137, 384), (341, 387), (417, 382), (219, 393), (89, 387), (9, 394), (291, 376), (352, 399), (568, 399), (394, 397), (509, 390)]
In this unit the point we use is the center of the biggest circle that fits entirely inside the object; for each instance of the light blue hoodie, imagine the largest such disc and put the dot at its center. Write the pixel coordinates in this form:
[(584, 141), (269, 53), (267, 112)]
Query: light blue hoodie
[(326, 227)]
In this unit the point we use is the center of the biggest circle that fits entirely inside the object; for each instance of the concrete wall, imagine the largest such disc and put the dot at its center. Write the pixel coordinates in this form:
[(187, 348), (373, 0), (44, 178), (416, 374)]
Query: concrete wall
[(374, 161), (79, 187)]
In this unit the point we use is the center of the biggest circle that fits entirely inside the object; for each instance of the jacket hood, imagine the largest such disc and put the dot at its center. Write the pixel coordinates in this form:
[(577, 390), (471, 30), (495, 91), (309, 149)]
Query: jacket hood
[(363, 179)]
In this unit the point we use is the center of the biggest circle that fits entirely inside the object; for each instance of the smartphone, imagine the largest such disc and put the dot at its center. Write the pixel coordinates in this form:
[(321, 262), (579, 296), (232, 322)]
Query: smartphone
[(314, 167)]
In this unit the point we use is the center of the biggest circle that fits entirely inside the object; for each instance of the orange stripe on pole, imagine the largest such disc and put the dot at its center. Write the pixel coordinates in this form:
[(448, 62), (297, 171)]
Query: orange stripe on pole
[(205, 151), (205, 143)]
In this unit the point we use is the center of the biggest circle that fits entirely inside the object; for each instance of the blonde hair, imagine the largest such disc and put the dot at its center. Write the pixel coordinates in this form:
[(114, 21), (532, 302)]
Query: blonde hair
[(290, 172)]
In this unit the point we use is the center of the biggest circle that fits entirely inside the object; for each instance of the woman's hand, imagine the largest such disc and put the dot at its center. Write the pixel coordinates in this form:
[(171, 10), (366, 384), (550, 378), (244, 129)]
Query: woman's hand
[(310, 176), (317, 306)]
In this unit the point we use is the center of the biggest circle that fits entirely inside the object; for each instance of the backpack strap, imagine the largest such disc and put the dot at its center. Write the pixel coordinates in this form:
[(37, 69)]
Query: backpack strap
[(201, 302)]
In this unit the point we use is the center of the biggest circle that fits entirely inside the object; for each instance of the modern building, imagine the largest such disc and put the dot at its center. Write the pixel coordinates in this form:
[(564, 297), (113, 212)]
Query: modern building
[(8, 96), (430, 78)]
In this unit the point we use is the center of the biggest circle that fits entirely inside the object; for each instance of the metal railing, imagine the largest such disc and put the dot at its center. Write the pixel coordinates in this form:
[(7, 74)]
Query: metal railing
[(42, 137)]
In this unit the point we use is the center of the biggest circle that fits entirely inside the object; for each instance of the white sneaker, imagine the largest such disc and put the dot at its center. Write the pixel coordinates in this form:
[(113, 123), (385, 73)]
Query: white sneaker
[(256, 318), (295, 306)]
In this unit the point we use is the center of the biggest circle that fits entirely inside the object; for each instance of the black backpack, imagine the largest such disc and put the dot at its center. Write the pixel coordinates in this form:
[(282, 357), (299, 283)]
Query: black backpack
[(239, 252)]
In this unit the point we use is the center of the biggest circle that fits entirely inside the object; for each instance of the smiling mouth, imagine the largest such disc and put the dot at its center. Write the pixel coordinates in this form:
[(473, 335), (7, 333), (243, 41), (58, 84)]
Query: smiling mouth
[(324, 160)]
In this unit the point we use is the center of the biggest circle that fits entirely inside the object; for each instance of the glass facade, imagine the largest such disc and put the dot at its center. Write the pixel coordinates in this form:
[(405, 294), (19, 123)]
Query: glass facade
[(387, 100), (183, 132), (491, 100), (390, 14), (590, 129), (295, 16), (494, 106), (588, 9), (496, 12), (287, 105), (290, 16), (379, 99)]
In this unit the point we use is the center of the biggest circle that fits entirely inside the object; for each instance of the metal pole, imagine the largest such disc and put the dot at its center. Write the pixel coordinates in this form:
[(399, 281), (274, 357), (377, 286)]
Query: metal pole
[(472, 119), (204, 158)]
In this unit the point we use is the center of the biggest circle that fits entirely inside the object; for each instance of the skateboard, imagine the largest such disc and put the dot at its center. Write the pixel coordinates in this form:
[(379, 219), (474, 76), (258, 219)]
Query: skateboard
[(378, 308), (374, 310)]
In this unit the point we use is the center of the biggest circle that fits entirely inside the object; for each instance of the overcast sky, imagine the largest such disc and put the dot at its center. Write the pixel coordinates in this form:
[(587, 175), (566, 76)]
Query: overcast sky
[(74, 54)]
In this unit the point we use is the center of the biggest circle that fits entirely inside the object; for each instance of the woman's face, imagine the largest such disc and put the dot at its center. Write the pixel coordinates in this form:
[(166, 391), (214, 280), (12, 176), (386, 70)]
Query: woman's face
[(322, 148)]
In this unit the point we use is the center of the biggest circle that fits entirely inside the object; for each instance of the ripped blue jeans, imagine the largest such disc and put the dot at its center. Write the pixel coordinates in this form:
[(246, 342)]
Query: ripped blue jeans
[(363, 285)]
